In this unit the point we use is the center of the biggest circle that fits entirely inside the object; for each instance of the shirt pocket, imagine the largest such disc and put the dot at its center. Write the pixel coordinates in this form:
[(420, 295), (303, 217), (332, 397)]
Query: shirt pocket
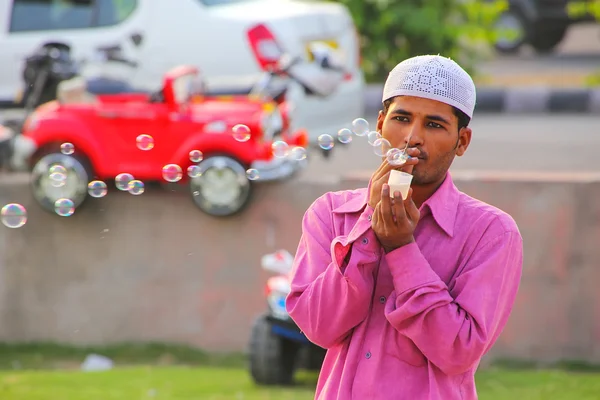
[(403, 349), (400, 346)]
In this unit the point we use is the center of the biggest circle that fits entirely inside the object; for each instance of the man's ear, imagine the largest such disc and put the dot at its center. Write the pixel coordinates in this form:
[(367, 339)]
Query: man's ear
[(464, 139), (380, 119)]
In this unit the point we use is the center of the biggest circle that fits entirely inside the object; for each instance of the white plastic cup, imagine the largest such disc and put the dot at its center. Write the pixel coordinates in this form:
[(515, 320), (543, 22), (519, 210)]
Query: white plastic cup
[(399, 181)]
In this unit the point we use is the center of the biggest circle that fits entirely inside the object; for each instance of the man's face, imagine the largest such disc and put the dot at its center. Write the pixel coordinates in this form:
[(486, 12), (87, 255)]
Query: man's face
[(431, 127)]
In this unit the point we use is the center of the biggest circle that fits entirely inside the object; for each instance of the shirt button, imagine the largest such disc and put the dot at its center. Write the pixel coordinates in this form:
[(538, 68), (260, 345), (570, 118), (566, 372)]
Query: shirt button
[(370, 217), (368, 355), (382, 299), (365, 241)]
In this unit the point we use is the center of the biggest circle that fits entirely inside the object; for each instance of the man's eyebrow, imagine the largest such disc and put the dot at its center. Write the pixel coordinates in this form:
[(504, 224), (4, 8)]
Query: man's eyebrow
[(437, 118)]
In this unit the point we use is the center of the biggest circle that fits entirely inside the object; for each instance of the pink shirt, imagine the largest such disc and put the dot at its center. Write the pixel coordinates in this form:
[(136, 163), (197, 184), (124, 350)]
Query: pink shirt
[(414, 323)]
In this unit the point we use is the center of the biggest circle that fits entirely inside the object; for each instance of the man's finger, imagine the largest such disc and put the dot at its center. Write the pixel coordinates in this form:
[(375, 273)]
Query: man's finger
[(411, 208), (375, 217), (386, 206), (399, 207)]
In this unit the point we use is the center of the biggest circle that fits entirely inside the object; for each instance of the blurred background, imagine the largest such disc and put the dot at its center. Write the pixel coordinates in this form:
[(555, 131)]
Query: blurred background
[(163, 301)]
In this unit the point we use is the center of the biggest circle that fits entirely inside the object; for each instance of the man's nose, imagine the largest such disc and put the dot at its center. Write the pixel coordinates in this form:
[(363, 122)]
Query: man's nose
[(414, 137)]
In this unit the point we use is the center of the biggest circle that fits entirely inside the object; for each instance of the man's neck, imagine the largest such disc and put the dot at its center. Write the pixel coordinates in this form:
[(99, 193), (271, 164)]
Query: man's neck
[(421, 193)]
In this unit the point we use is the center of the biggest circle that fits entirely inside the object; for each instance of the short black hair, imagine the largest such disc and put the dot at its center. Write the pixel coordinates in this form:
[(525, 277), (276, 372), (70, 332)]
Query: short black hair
[(463, 119)]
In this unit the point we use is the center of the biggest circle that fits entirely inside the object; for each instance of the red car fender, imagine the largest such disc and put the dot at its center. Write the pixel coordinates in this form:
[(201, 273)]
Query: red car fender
[(224, 144), (51, 133)]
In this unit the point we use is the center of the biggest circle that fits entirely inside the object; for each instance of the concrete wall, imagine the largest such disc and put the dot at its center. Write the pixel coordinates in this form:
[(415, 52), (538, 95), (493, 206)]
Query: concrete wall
[(152, 267)]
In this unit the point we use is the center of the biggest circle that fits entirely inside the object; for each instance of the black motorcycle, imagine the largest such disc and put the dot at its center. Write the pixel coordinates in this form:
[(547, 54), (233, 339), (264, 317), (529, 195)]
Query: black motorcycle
[(53, 63), (44, 70)]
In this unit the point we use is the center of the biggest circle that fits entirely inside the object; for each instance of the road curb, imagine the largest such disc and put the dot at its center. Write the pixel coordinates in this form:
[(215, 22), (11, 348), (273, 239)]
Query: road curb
[(524, 100)]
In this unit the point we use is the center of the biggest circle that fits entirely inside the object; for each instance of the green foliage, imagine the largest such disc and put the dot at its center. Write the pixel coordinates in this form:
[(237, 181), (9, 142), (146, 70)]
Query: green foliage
[(578, 9), (394, 30)]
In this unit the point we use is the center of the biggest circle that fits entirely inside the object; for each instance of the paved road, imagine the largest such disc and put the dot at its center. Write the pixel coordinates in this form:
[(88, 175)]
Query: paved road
[(500, 142)]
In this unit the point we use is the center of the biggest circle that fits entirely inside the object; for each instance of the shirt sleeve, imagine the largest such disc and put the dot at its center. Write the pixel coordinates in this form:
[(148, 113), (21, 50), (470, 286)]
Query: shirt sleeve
[(455, 328), (332, 280)]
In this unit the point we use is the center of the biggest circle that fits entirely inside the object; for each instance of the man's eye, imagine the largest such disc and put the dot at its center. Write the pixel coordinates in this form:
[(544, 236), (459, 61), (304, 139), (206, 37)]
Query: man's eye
[(401, 118), (434, 125)]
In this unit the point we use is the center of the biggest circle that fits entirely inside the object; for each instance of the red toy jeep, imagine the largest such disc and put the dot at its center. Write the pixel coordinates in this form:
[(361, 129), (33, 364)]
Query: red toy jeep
[(140, 134)]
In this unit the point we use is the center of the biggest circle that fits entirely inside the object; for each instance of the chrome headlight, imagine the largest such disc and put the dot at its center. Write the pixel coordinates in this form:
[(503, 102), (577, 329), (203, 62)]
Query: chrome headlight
[(271, 123)]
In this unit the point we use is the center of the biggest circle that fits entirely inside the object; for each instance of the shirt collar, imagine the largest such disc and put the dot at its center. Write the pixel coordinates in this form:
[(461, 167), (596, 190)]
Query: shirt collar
[(443, 204)]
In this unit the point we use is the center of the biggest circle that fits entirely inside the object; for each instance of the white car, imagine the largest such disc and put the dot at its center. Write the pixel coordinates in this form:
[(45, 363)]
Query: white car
[(231, 41)]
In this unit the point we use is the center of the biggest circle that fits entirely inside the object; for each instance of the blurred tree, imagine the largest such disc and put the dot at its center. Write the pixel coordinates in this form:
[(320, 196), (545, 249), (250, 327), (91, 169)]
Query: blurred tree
[(583, 8), (393, 30)]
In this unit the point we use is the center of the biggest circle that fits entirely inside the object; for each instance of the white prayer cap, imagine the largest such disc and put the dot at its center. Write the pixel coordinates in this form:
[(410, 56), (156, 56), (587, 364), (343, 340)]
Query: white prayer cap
[(432, 77)]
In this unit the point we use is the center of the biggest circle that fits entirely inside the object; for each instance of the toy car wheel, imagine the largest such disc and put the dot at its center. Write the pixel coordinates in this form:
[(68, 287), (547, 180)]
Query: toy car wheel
[(316, 356), (222, 189), (272, 357), (47, 190)]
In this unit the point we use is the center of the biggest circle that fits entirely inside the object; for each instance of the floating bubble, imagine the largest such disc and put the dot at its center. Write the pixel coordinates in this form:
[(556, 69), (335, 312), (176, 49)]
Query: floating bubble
[(325, 142), (194, 171), (57, 169), (345, 135), (67, 148), (241, 133), (144, 142), (196, 156), (373, 136), (136, 187), (58, 180), (64, 207), (360, 126), (13, 215), (280, 149), (97, 189), (58, 175), (122, 181), (172, 173), (298, 153), (381, 147), (252, 174), (396, 157)]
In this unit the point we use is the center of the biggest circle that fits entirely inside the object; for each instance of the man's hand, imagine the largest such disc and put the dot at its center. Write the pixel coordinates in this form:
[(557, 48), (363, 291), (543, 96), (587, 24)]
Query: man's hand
[(382, 175), (394, 220)]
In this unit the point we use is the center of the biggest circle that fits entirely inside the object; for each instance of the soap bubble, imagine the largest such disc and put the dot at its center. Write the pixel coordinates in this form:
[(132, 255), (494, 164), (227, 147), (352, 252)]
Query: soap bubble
[(360, 126), (13, 215), (64, 207), (136, 187), (396, 157), (194, 171), (122, 181), (252, 174), (196, 156), (241, 133), (58, 175), (298, 153), (373, 136), (325, 142), (57, 169), (144, 142), (381, 147), (67, 148), (97, 189), (280, 149), (172, 173), (345, 135)]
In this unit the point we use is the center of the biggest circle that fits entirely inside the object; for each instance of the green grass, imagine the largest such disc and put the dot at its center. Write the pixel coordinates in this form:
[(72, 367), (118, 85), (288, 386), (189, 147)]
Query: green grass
[(29, 373)]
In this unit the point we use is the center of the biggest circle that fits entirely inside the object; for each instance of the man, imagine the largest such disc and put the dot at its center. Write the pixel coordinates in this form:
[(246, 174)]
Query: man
[(407, 296)]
